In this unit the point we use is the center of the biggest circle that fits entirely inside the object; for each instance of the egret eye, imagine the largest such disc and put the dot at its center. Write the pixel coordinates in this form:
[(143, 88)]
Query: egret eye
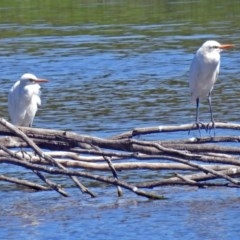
[(213, 47), (31, 80)]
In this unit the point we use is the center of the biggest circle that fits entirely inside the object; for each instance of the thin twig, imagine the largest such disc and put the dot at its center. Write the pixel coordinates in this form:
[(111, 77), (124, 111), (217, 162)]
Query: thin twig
[(112, 168)]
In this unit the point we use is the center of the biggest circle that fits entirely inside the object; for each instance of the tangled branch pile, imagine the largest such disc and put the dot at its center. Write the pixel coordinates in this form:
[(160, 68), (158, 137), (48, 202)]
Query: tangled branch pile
[(201, 162)]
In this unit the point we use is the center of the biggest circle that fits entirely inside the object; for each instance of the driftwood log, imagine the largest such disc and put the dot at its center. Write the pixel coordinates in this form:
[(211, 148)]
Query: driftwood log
[(210, 161)]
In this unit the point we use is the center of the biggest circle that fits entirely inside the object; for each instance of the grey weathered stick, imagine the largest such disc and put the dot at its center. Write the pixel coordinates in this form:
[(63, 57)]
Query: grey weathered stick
[(53, 139), (112, 168), (42, 155), (198, 177), (54, 186), (173, 128), (185, 179), (131, 165), (54, 170), (25, 183), (187, 155)]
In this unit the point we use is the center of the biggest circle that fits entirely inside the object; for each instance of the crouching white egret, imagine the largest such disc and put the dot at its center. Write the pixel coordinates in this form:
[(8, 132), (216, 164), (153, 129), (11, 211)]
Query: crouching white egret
[(24, 99)]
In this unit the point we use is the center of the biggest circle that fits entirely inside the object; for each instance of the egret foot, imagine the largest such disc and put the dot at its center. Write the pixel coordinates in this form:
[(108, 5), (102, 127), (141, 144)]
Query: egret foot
[(211, 126), (197, 125)]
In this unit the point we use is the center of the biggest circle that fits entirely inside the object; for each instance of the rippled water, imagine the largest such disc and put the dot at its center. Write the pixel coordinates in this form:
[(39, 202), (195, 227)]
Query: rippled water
[(110, 73)]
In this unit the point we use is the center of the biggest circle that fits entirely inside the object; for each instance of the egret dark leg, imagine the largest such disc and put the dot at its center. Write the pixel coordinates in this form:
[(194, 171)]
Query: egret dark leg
[(210, 106), (197, 124), (211, 113), (197, 111)]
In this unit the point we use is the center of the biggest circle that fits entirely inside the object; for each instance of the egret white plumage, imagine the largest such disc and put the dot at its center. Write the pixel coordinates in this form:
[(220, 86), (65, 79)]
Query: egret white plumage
[(204, 71), (24, 99)]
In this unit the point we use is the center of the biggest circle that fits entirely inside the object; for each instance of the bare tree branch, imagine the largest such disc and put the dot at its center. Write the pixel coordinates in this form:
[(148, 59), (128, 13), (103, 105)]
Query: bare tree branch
[(192, 161)]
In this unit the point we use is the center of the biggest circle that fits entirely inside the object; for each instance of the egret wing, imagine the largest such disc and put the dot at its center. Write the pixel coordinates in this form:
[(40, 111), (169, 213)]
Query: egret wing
[(194, 75), (17, 103)]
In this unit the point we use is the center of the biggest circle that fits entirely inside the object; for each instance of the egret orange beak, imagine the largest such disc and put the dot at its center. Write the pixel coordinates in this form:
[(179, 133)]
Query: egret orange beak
[(226, 46), (39, 80)]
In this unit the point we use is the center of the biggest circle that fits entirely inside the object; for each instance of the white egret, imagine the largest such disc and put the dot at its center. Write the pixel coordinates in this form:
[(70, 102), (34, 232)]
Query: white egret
[(204, 72), (24, 99)]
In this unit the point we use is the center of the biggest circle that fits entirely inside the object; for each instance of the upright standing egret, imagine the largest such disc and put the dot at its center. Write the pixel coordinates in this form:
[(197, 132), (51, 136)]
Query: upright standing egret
[(24, 99), (204, 72)]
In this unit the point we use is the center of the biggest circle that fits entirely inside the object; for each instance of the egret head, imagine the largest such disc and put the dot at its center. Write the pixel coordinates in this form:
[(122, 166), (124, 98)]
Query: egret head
[(212, 46), (29, 78)]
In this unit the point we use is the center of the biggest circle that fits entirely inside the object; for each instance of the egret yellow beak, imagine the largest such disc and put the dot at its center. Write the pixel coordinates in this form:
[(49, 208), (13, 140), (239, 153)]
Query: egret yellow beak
[(39, 80), (226, 46)]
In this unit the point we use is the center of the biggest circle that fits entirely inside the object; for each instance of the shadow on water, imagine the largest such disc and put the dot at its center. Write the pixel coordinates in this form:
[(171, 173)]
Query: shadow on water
[(113, 66)]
